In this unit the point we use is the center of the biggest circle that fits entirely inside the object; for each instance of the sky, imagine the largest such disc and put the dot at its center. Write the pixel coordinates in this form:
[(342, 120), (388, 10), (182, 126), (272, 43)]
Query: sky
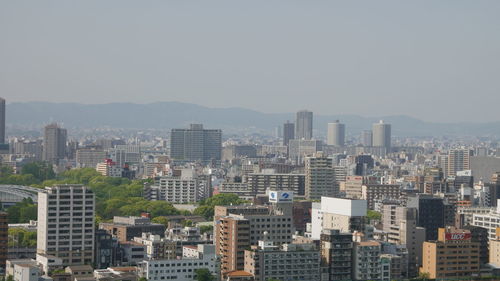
[(433, 60)]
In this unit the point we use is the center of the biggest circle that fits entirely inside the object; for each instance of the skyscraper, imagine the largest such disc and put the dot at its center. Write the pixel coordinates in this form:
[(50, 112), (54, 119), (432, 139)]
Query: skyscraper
[(336, 134), (66, 223), (54, 143), (382, 134), (367, 138), (2, 120), (195, 144), (288, 132), (458, 160), (320, 177), (304, 125)]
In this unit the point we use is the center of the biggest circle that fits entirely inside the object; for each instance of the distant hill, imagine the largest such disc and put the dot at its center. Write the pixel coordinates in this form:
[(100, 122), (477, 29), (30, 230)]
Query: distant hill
[(167, 115)]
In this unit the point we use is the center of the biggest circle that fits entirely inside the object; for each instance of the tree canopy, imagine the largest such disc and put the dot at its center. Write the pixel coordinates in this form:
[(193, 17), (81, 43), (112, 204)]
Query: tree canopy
[(207, 206)]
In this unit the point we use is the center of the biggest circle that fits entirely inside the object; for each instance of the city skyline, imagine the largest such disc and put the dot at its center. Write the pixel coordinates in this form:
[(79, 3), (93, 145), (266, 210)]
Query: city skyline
[(383, 58)]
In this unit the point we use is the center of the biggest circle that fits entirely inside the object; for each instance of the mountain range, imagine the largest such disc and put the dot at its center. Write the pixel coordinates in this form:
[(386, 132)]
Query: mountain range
[(167, 115)]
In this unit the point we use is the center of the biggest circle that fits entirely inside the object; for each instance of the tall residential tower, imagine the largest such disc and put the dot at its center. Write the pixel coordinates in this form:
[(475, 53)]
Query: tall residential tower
[(304, 125)]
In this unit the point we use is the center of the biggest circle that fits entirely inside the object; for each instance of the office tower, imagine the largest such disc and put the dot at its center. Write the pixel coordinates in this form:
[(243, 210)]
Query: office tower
[(336, 255), (381, 135), (288, 132), (363, 164), (320, 178), (367, 138), (301, 260), (458, 160), (89, 157), (304, 125), (195, 144), (54, 143), (431, 213), (436, 253), (400, 224), (66, 223), (4, 238), (336, 134), (2, 121)]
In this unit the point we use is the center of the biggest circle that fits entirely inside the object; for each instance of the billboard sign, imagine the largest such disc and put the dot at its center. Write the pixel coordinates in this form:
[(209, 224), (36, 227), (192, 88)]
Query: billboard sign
[(280, 196), (457, 236)]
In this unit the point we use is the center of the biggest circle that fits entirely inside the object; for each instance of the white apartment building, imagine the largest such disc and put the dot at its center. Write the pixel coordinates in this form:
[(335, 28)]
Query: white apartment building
[(345, 215), (66, 223), (180, 269), (187, 188)]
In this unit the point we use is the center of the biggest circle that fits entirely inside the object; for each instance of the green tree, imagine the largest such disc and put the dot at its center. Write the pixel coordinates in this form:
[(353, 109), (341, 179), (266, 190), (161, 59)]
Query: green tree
[(203, 274), (373, 215), (206, 228), (21, 237), (40, 170), (161, 220), (22, 212), (206, 208)]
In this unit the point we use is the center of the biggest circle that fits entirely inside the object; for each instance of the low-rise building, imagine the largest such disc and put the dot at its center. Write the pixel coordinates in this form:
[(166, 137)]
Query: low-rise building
[(126, 228)]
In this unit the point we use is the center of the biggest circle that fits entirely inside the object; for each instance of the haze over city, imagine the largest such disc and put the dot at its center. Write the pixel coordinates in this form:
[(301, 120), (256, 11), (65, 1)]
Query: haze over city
[(371, 58)]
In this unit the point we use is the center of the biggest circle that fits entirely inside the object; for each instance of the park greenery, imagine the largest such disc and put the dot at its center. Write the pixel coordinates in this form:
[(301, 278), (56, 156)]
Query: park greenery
[(19, 237), (114, 196)]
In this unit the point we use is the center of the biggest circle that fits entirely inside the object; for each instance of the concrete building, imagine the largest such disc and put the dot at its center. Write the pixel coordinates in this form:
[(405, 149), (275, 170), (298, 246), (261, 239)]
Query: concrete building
[(430, 213), (109, 168), (195, 144), (259, 183), (66, 223), (372, 192), (320, 178), (490, 221), (382, 135), (367, 138), (126, 228), (186, 188), (458, 160), (366, 261), (304, 125), (25, 272), (494, 255), (89, 157), (336, 134), (346, 215), (400, 224), (288, 132), (232, 237), (353, 186), (295, 262), (452, 256), (336, 255), (180, 269), (298, 150), (54, 143), (157, 248)]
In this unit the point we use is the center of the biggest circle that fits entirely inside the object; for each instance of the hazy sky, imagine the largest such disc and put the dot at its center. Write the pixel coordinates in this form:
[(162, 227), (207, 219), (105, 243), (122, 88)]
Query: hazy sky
[(434, 60)]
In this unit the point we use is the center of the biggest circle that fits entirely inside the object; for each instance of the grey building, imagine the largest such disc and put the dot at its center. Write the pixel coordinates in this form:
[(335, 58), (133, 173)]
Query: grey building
[(336, 255), (382, 134), (288, 132), (258, 183), (195, 144), (320, 177), (367, 138), (336, 134), (304, 125), (54, 143)]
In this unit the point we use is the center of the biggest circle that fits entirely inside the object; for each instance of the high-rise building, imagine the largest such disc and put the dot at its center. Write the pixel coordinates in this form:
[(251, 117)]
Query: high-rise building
[(336, 134), (2, 121), (400, 224), (367, 138), (196, 144), (232, 237), (320, 177), (336, 255), (4, 238), (304, 125), (458, 160), (382, 135), (54, 143), (442, 260), (288, 132), (366, 261), (430, 213), (66, 223)]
